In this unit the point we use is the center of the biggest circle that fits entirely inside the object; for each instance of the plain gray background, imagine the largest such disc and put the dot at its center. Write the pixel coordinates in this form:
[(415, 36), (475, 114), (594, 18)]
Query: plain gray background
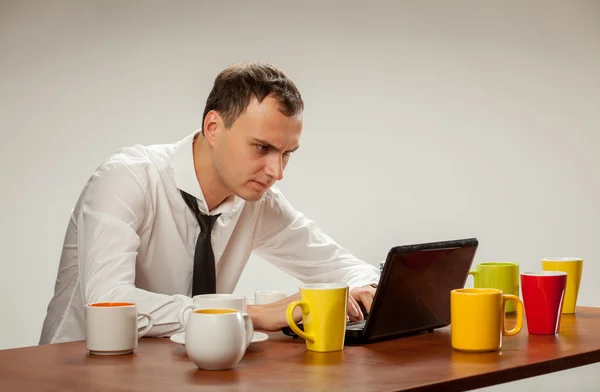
[(424, 120)]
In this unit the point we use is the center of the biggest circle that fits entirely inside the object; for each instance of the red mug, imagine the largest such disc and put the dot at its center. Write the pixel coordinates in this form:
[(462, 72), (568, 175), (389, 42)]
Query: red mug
[(543, 294)]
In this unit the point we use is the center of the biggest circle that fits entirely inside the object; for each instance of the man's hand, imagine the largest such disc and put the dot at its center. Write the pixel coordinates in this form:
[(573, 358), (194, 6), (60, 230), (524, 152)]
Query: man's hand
[(271, 317), (360, 295)]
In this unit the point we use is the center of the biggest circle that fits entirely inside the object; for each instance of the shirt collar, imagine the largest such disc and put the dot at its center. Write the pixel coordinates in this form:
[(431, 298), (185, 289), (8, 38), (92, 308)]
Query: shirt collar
[(186, 180)]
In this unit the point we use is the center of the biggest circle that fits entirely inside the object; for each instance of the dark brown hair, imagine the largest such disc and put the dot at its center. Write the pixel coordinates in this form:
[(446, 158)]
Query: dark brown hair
[(236, 86)]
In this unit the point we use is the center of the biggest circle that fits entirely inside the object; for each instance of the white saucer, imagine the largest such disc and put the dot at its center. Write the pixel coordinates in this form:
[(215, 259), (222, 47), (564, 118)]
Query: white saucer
[(256, 337)]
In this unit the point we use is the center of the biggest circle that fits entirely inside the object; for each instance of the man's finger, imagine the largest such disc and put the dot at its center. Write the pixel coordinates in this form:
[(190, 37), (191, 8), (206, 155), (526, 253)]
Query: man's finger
[(354, 311), (297, 314)]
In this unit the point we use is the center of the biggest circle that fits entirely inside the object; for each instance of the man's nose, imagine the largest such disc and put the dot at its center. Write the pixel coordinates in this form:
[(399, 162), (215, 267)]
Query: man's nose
[(274, 168)]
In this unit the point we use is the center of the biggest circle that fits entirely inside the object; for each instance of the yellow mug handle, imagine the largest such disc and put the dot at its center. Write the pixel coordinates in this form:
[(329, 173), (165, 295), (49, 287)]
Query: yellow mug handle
[(289, 314), (517, 328)]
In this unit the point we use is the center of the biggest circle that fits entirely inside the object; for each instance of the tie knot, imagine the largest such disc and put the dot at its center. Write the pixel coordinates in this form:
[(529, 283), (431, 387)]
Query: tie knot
[(206, 221)]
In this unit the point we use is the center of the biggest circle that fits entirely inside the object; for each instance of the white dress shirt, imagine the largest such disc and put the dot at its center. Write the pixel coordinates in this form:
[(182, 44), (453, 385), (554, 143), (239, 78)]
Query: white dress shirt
[(131, 237)]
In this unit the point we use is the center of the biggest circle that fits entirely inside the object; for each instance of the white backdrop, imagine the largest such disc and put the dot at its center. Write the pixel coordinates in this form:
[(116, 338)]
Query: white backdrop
[(424, 121)]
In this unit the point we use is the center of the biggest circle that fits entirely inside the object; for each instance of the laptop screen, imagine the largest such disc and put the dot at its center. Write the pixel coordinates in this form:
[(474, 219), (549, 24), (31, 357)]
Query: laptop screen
[(414, 292)]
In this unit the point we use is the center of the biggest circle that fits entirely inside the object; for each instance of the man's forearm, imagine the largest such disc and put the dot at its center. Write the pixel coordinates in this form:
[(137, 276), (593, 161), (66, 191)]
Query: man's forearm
[(256, 314), (272, 317)]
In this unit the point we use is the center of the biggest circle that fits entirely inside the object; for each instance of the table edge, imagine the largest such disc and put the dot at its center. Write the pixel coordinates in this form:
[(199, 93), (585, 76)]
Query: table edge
[(511, 374)]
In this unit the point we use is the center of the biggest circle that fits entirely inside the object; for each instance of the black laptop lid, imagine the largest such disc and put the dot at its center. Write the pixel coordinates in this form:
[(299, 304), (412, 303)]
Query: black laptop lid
[(414, 290)]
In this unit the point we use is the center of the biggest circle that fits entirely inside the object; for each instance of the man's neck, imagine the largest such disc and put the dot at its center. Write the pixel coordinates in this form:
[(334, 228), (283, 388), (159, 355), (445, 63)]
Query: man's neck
[(214, 192)]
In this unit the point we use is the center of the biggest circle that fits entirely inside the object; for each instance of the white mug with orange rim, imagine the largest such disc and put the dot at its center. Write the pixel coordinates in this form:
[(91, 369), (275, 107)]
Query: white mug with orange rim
[(111, 328), (216, 339)]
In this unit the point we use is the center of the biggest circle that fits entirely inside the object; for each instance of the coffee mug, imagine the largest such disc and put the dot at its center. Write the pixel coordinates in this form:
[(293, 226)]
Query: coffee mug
[(543, 296), (478, 318), (111, 328), (268, 296), (214, 301), (216, 339), (324, 308), (573, 266), (502, 276)]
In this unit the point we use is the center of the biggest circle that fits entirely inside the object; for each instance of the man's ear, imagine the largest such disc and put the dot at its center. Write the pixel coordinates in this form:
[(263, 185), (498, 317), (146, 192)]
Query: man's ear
[(213, 122)]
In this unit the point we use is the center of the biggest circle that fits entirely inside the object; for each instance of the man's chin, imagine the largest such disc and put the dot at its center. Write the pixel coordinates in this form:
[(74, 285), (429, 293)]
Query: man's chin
[(250, 196)]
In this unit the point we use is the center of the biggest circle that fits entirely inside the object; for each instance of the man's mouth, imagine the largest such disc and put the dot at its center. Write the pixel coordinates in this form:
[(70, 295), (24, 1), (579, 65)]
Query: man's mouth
[(262, 184)]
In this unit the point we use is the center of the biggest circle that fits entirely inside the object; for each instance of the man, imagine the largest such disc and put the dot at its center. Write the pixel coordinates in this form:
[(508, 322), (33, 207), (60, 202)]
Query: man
[(157, 224)]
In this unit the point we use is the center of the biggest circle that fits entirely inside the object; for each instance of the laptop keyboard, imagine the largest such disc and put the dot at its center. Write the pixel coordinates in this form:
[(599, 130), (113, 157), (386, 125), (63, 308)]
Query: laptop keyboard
[(356, 325)]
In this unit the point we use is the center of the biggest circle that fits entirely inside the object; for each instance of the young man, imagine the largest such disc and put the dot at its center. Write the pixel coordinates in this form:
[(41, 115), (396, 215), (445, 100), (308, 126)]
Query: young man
[(157, 224)]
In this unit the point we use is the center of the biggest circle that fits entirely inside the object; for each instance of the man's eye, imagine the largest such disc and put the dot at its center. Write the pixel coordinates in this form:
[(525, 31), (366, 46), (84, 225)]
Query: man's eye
[(262, 148)]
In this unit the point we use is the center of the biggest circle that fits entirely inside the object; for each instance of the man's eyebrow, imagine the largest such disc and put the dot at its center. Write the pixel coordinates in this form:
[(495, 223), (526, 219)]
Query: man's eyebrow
[(272, 146)]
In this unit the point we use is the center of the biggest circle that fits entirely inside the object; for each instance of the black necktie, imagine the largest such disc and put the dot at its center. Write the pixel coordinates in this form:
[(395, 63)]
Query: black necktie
[(205, 278)]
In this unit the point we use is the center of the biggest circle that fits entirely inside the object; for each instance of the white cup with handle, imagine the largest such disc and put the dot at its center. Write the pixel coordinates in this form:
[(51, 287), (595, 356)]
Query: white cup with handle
[(216, 339), (213, 301), (268, 296), (111, 328)]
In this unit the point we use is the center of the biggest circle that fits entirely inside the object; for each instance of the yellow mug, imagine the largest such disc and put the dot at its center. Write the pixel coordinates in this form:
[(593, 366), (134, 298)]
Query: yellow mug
[(573, 266), (477, 319), (323, 316)]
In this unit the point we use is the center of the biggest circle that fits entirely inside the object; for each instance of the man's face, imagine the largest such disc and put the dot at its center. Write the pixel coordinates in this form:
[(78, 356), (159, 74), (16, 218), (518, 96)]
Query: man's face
[(251, 155)]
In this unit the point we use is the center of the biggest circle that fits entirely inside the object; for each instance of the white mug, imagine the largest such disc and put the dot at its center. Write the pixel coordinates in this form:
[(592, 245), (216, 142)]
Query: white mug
[(216, 339), (268, 296), (214, 301), (111, 328)]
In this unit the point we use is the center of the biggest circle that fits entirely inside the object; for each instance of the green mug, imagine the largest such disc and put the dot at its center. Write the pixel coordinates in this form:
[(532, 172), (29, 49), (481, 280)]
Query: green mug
[(501, 276)]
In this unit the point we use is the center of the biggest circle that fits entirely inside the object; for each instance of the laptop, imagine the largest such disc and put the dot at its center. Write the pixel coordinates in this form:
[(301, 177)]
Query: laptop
[(413, 294)]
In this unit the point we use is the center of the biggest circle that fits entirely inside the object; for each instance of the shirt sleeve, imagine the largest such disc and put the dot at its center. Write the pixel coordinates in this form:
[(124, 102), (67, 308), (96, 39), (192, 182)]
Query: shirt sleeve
[(113, 206), (296, 245)]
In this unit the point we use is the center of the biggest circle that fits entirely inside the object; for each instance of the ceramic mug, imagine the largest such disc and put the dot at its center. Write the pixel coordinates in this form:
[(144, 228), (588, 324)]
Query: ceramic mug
[(268, 296), (573, 266), (111, 328), (324, 309), (543, 297), (502, 276), (478, 318), (216, 339)]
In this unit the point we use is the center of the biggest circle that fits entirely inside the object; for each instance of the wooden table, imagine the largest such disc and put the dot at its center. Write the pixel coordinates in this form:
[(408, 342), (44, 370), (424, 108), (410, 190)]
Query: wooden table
[(424, 362)]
